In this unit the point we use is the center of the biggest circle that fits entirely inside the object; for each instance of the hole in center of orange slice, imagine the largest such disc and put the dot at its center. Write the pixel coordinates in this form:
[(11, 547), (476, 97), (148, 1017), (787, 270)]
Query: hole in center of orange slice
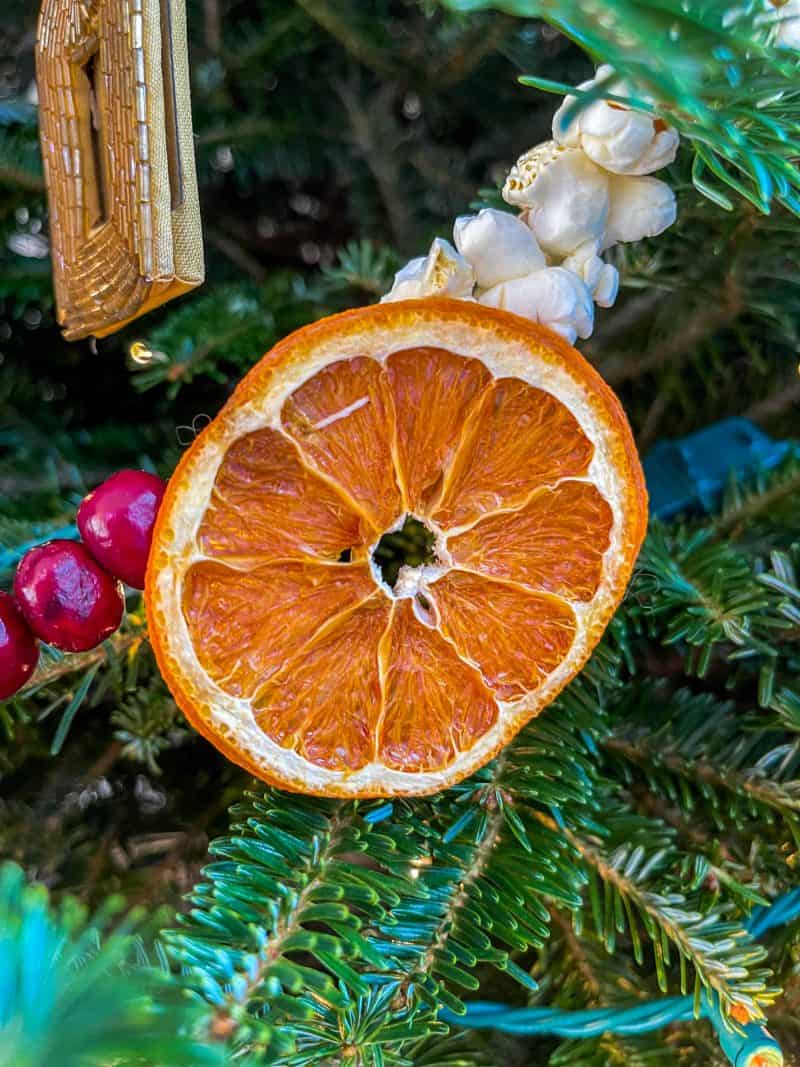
[(413, 544)]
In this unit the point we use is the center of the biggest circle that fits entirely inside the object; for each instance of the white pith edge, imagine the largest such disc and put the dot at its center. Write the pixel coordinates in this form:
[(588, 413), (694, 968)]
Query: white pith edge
[(231, 718)]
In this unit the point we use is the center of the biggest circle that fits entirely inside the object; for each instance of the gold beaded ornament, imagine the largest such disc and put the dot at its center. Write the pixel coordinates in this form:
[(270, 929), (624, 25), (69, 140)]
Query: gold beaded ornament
[(116, 133)]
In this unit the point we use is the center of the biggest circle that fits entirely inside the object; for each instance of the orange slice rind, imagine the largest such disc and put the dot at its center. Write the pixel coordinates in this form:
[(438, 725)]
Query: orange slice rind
[(272, 620)]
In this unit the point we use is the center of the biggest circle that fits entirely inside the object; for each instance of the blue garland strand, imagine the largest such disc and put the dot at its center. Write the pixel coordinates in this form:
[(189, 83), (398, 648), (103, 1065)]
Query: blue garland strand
[(750, 1045)]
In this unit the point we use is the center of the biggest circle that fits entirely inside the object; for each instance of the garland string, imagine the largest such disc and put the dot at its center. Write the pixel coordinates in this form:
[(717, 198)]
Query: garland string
[(746, 1045)]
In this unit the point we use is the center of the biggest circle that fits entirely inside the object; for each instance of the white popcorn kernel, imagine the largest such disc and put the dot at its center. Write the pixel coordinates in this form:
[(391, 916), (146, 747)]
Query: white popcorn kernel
[(565, 196), (640, 207), (606, 287), (615, 137), (787, 33), (554, 297), (443, 272), (600, 278), (586, 263), (498, 245)]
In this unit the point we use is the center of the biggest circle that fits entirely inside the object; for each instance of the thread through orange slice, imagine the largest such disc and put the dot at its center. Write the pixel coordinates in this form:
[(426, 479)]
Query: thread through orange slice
[(397, 542)]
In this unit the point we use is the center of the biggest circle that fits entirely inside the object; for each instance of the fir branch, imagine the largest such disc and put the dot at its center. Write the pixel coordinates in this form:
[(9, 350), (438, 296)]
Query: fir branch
[(579, 973), (375, 134), (61, 666), (231, 326), (76, 993), (364, 266), (702, 753), (706, 595), (625, 862), (288, 887), (772, 495), (700, 324)]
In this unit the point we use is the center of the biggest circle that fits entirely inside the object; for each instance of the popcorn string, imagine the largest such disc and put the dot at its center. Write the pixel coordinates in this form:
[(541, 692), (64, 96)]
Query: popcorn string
[(578, 195)]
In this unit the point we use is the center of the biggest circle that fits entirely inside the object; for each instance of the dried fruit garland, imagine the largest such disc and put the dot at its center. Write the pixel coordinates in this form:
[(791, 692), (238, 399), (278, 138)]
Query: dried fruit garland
[(481, 439)]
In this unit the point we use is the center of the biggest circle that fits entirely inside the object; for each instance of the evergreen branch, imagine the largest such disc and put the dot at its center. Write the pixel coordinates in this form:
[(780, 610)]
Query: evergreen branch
[(624, 860), (700, 324), (491, 868), (76, 993), (454, 897), (765, 496), (374, 133), (370, 1032), (363, 265), (705, 594), (579, 972), (786, 704), (699, 751), (60, 667), (230, 326), (290, 885)]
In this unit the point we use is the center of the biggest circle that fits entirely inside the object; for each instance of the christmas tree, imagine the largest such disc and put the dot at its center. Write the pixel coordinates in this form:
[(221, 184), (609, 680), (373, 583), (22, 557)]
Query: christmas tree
[(159, 906)]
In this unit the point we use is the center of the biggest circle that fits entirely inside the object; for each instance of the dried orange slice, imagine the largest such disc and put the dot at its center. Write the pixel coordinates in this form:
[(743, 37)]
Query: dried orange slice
[(398, 541)]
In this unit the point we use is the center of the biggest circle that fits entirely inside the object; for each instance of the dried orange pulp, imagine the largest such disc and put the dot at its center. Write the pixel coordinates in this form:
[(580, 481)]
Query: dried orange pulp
[(273, 622)]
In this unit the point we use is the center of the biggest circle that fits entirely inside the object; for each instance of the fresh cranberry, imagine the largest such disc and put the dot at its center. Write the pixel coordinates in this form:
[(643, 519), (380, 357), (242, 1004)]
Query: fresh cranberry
[(19, 649), (66, 597), (116, 522)]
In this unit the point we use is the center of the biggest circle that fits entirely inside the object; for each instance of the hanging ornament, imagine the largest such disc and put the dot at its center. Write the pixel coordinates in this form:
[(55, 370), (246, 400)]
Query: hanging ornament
[(410, 525), (116, 133), (397, 542)]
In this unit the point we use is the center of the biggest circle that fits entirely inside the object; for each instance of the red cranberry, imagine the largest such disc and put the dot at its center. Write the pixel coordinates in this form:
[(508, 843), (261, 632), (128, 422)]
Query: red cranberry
[(116, 522), (19, 649), (66, 597)]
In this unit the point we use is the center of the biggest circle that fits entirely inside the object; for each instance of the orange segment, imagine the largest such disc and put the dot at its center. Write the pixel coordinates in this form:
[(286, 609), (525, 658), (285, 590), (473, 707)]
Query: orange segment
[(437, 706), (318, 674), (326, 715), (266, 505), (246, 626), (520, 439), (342, 420), (434, 395), (514, 636), (545, 544)]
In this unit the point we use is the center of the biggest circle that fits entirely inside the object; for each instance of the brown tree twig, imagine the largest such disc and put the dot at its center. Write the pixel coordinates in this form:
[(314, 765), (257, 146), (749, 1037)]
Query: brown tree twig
[(345, 31), (232, 248), (678, 346), (83, 661), (380, 157)]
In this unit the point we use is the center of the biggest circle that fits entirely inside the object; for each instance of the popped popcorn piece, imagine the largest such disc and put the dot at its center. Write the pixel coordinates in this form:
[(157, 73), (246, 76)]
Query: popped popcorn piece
[(443, 272), (615, 137), (607, 286), (553, 297), (586, 263), (565, 196), (601, 279), (498, 245), (787, 21), (640, 207)]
